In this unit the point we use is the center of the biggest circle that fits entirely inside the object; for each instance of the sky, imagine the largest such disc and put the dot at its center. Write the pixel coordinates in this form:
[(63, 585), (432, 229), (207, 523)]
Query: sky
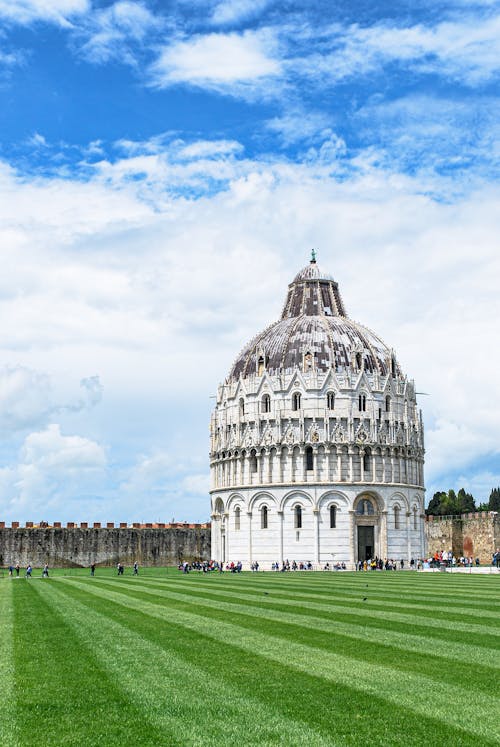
[(165, 170)]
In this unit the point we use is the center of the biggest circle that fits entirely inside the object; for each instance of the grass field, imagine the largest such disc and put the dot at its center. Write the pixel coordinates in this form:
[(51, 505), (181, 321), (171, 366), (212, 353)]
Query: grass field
[(293, 659)]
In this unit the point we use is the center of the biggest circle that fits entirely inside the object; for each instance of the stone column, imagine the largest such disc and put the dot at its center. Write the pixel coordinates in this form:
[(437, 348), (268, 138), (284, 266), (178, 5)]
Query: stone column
[(383, 534), (316, 534), (422, 536), (280, 535), (339, 463), (352, 537), (249, 514), (408, 534)]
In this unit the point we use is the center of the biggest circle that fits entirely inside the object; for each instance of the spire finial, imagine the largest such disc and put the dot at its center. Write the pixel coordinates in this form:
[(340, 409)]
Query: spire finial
[(313, 256)]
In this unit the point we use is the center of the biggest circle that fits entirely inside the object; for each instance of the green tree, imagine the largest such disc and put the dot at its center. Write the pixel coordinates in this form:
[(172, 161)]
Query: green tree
[(433, 509), (449, 504), (494, 502), (465, 502)]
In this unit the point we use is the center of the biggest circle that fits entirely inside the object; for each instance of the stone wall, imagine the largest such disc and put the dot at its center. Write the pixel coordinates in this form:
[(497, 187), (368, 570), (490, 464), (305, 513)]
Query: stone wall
[(476, 535), (80, 546)]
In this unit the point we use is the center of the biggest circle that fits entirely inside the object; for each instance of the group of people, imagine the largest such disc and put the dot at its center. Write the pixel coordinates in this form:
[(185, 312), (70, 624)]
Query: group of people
[(206, 566), (120, 568), (29, 570), (293, 566), (335, 567), (448, 558), (382, 564)]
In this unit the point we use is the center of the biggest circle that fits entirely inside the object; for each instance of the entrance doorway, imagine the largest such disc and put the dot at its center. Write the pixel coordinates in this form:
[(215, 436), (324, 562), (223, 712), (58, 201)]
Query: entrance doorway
[(366, 542)]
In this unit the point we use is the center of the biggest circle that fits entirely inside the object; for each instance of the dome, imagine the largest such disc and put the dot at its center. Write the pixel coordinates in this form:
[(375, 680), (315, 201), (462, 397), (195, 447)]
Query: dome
[(314, 333), (311, 272)]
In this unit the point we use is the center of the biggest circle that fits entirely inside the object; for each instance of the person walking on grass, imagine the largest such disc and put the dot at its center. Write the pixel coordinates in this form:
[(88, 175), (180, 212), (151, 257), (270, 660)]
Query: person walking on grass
[(28, 570), (136, 568), (45, 572), (92, 569)]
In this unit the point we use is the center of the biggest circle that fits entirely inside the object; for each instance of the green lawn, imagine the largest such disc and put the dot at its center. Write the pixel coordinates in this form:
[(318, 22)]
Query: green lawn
[(291, 659)]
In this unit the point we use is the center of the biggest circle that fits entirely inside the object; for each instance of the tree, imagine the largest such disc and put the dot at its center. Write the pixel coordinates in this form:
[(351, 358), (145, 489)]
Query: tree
[(465, 502), (449, 504), (494, 502), (434, 504)]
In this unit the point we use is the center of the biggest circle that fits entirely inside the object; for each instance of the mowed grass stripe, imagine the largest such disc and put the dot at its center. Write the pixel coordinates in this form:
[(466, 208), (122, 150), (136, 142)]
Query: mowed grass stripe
[(387, 587), (8, 724), (63, 695), (423, 587), (332, 593), (341, 713), (259, 606), (185, 705), (451, 704), (383, 613), (378, 586), (301, 630)]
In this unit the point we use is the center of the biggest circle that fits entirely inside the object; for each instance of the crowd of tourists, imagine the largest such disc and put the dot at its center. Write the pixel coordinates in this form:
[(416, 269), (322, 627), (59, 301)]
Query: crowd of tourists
[(447, 558), (384, 564), (205, 566)]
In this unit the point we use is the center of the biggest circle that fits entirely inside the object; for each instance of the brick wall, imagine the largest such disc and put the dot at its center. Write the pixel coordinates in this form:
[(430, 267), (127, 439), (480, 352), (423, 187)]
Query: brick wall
[(74, 546), (476, 535)]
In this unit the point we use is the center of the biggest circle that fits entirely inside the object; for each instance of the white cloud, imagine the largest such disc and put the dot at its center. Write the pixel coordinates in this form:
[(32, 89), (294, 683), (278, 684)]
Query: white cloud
[(217, 60), (60, 12), (231, 11), (55, 455), (25, 398), (111, 32), (296, 125), (467, 50), (37, 141), (53, 473)]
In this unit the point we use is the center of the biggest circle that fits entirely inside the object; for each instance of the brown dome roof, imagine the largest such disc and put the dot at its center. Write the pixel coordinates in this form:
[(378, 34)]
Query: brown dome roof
[(314, 332)]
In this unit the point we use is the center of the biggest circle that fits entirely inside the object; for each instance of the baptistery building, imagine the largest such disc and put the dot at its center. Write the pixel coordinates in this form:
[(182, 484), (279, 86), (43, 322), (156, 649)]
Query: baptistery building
[(317, 444)]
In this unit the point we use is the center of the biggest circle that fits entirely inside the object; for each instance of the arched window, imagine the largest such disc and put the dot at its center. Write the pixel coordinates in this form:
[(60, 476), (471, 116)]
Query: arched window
[(359, 360), (365, 508), (415, 523), (387, 404), (333, 517), (367, 460), (298, 517), (362, 402), (397, 511), (242, 407), (260, 366), (266, 403), (253, 461), (393, 366), (309, 458), (263, 517), (308, 362), (296, 401), (237, 513), (330, 400)]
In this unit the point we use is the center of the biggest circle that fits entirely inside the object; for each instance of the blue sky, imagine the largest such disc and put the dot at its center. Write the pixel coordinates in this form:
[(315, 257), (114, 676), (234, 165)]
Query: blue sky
[(165, 168)]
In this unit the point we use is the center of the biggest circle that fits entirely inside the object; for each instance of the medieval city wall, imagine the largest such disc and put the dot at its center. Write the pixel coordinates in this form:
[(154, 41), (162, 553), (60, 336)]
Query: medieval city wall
[(476, 535), (79, 546)]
